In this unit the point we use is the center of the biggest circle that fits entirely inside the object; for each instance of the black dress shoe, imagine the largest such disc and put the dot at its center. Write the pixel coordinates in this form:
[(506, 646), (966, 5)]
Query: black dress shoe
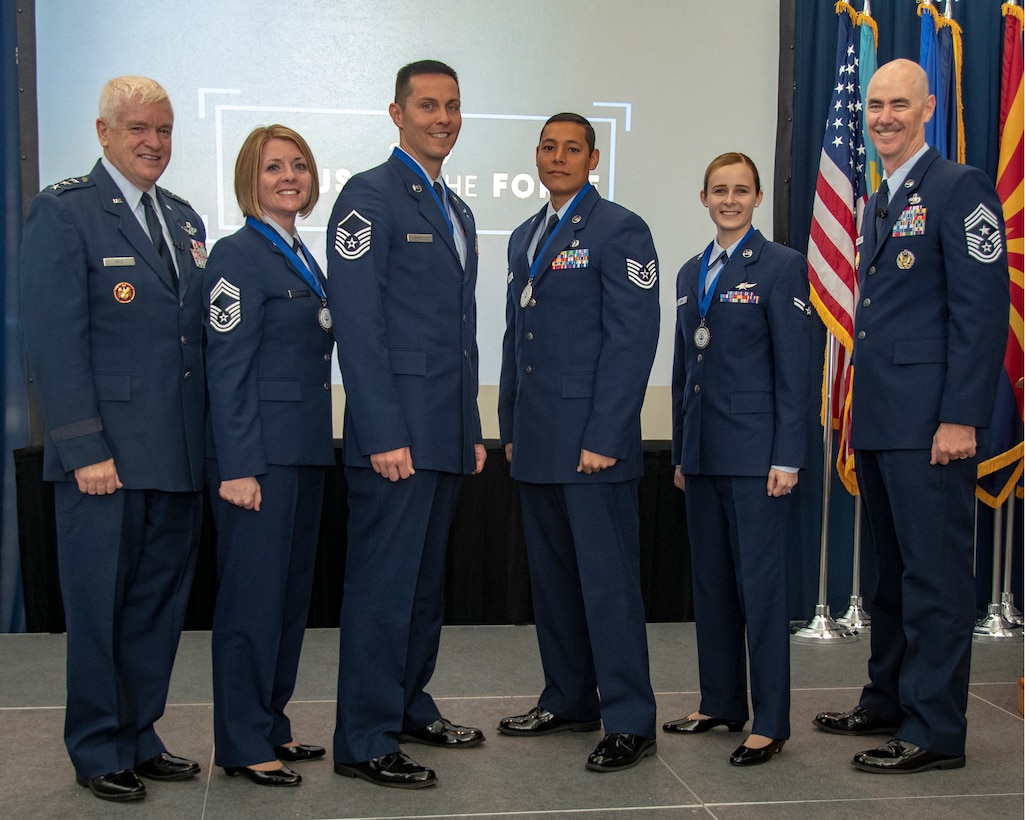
[(297, 754), (278, 777), (900, 757), (858, 721), (445, 733), (119, 785), (695, 726), (167, 767), (539, 721), (746, 756), (619, 751), (396, 769)]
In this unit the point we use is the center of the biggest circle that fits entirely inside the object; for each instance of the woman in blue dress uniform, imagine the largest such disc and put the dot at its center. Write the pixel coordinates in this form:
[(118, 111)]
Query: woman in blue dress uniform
[(741, 375), (268, 349)]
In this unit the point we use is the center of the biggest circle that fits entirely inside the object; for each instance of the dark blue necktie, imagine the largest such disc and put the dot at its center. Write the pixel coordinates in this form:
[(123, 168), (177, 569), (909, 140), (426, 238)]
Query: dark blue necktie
[(156, 234)]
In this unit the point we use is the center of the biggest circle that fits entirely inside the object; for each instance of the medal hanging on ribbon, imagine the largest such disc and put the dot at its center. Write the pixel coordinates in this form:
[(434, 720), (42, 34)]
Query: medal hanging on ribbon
[(702, 334), (526, 296)]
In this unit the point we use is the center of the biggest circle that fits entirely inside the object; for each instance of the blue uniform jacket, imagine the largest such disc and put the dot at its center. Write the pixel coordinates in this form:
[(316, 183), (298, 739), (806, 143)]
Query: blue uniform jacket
[(405, 318), (931, 324), (115, 350), (268, 361), (741, 404), (575, 364)]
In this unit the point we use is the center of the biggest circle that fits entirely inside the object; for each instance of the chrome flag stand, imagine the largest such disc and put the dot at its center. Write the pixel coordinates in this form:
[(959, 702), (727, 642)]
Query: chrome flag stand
[(822, 629), (995, 626), (856, 618)]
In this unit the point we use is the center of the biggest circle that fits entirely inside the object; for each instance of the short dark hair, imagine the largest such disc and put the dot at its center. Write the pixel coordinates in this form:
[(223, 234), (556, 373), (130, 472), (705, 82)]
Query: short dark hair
[(403, 86), (566, 116)]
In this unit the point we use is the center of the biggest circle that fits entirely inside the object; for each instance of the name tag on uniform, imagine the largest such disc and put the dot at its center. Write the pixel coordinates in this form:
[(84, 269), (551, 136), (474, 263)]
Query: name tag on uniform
[(419, 237), (681, 301), (118, 261), (296, 294)]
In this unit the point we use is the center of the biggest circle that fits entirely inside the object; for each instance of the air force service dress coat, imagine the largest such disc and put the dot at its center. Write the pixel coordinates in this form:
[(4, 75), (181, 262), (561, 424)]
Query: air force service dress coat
[(740, 407), (405, 322), (269, 378), (575, 364), (930, 333), (115, 351)]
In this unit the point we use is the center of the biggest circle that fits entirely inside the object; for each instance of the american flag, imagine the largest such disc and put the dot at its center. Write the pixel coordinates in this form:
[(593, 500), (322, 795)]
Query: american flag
[(840, 198)]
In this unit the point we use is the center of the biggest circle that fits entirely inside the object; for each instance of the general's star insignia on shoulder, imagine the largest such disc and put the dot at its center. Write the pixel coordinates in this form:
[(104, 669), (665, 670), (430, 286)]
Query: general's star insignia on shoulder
[(352, 236), (644, 276), (982, 233), (225, 306), (175, 196)]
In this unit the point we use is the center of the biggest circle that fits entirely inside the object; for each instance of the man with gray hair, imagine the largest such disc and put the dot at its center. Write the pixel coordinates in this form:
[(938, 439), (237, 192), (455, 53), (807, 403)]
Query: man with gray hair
[(113, 314)]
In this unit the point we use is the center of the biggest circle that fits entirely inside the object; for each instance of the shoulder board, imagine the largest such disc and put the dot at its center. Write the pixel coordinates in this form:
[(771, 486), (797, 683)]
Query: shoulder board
[(69, 183), (175, 196)]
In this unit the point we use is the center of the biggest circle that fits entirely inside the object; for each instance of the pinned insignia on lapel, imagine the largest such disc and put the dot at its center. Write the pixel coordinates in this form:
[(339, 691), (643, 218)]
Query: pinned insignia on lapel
[(745, 286), (914, 199), (748, 253), (909, 184), (118, 200), (225, 306), (417, 188), (124, 292), (982, 233), (644, 276), (352, 236), (576, 219), (575, 243), (190, 230), (905, 260)]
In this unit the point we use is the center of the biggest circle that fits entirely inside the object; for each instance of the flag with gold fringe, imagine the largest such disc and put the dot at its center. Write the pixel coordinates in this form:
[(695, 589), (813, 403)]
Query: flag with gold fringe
[(1000, 458), (840, 198), (940, 56)]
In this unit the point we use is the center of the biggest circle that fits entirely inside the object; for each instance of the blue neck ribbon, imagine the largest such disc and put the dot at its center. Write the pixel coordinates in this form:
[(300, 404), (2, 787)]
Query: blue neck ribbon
[(415, 166), (535, 266), (305, 271), (705, 300)]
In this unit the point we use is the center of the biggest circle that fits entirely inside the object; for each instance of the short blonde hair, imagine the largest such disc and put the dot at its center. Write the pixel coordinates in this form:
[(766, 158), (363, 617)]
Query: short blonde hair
[(123, 91), (247, 168)]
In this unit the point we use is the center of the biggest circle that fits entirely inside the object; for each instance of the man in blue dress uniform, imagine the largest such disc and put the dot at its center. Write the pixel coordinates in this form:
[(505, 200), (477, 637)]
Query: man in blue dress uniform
[(402, 269), (113, 307), (930, 333), (582, 322)]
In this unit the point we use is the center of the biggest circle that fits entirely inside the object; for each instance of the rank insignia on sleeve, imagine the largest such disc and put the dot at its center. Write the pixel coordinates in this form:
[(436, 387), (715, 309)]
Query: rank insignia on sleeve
[(352, 236), (982, 233), (644, 276), (802, 306), (225, 306), (124, 292)]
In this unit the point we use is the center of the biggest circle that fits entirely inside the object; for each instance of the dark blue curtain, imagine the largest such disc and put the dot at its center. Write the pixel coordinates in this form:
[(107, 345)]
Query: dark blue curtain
[(814, 45), (15, 430)]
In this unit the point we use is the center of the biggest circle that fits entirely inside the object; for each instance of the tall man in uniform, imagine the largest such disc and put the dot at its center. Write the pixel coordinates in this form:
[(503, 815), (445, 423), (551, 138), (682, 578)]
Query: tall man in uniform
[(930, 332), (402, 269), (113, 309), (582, 321)]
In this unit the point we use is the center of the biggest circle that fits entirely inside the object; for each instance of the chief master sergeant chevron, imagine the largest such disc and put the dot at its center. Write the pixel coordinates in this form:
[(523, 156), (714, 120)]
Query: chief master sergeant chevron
[(113, 314), (402, 269)]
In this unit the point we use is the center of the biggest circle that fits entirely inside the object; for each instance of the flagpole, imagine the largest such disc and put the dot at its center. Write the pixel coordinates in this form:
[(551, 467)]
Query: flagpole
[(856, 618), (994, 627), (822, 629), (1007, 608)]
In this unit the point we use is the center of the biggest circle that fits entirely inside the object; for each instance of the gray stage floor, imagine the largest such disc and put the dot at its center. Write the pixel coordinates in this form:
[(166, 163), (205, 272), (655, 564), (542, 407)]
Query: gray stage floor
[(485, 673)]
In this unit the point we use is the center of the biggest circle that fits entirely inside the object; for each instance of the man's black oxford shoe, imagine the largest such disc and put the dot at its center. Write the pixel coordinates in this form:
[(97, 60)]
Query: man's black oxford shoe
[(746, 756), (297, 754), (695, 726), (857, 721), (395, 769), (900, 757), (276, 777), (167, 767), (539, 721), (120, 785), (619, 751), (444, 733)]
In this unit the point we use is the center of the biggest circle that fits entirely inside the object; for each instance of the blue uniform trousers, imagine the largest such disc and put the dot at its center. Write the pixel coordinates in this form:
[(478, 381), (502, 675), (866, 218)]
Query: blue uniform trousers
[(738, 556), (392, 607), (921, 517), (265, 563), (583, 548), (126, 565)]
